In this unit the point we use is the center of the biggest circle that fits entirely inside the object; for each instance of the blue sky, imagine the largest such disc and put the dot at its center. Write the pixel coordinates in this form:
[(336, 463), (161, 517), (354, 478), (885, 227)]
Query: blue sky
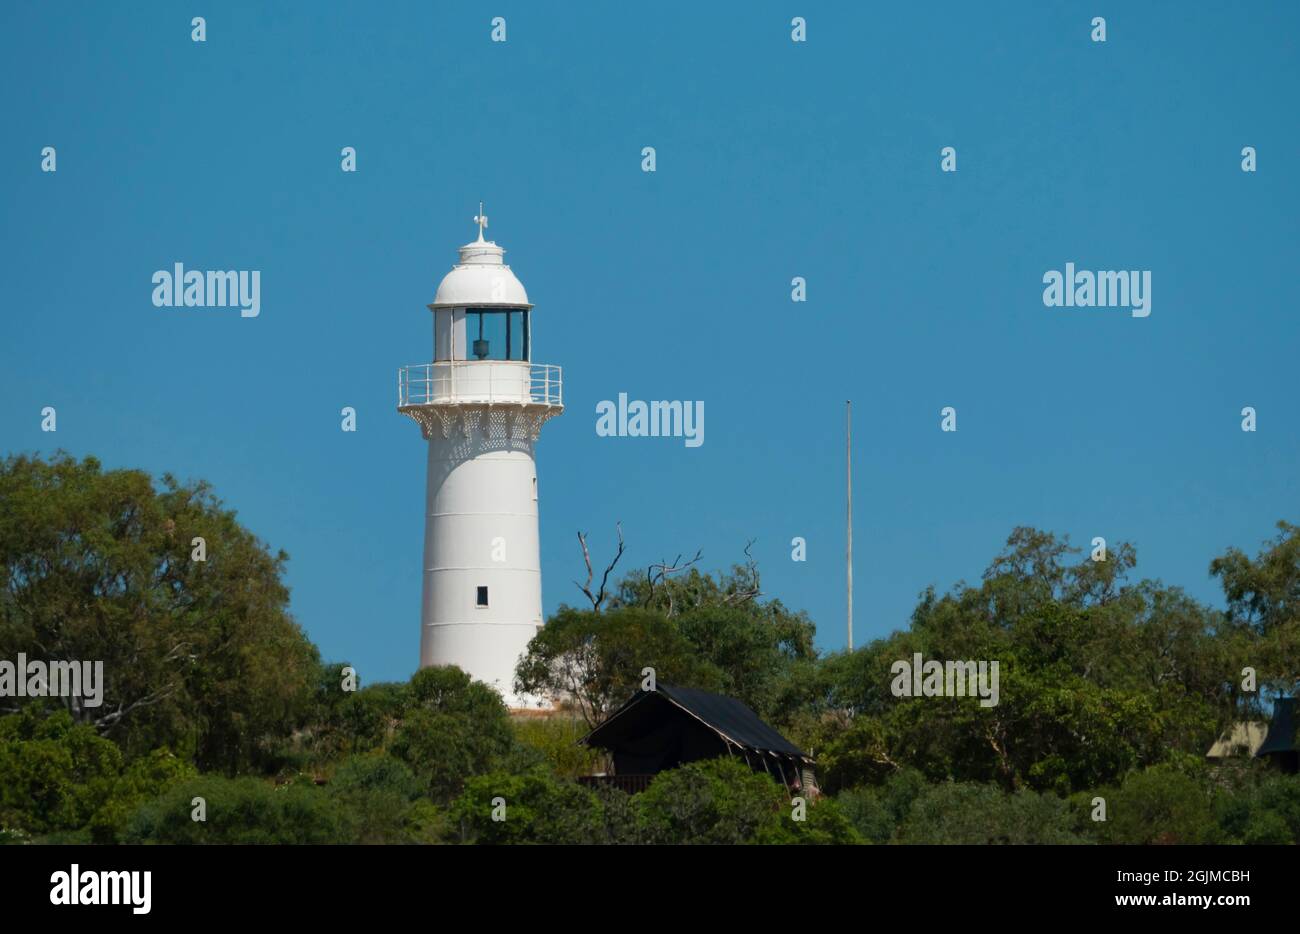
[(774, 160)]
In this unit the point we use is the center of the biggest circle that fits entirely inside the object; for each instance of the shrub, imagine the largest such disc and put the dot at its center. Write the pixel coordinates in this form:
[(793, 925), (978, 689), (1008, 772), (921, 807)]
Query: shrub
[(532, 807), (712, 801), (240, 810), (973, 813)]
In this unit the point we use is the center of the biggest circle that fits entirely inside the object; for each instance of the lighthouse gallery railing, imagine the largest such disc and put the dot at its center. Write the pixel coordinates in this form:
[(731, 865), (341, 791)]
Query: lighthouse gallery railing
[(492, 382)]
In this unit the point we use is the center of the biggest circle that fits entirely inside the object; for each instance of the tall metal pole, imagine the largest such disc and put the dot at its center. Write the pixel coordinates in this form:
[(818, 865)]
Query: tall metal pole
[(848, 463)]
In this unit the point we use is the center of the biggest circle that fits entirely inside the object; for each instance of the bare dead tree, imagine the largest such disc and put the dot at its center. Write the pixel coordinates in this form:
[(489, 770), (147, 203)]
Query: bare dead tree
[(751, 588), (656, 574), (598, 599)]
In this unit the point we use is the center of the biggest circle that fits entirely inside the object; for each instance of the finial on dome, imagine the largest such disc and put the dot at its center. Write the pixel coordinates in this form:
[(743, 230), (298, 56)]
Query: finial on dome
[(481, 220)]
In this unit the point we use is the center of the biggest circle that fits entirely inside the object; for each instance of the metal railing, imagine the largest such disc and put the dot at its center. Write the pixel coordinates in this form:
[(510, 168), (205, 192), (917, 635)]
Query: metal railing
[(490, 381)]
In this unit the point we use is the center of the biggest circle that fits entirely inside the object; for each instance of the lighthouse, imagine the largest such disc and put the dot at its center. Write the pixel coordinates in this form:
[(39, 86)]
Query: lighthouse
[(480, 406)]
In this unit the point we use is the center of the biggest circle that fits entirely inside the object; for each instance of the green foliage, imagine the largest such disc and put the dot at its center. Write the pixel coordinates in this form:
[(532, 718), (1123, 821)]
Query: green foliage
[(970, 813), (696, 630), (855, 753), (241, 811), (824, 823), (382, 801), (596, 658), (533, 807), (556, 740), (1264, 601), (1162, 804), (712, 801), (753, 649), (341, 723), (144, 779), (1108, 687), (199, 656), (54, 773), (1277, 803), (454, 728), (1098, 677), (1262, 806), (620, 822), (370, 799), (755, 652), (877, 813)]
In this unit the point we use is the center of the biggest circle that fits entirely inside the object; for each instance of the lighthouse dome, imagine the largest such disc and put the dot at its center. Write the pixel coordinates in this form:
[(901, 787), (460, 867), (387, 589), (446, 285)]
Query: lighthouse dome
[(480, 278)]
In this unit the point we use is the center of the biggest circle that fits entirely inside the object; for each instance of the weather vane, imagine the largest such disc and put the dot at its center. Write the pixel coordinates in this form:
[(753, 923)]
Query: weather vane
[(481, 220)]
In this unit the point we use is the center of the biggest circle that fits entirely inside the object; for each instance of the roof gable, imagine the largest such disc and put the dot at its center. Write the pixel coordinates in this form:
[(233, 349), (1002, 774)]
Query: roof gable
[(731, 719)]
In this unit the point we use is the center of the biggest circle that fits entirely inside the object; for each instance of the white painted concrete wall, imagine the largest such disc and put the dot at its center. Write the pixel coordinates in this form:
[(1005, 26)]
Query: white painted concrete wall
[(480, 497)]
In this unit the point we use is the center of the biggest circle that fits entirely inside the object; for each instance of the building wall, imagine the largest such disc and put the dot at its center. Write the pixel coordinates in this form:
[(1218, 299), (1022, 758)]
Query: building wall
[(481, 506)]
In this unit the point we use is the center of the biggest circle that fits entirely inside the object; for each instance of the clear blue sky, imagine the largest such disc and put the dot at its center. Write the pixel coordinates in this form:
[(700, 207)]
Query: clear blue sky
[(775, 160)]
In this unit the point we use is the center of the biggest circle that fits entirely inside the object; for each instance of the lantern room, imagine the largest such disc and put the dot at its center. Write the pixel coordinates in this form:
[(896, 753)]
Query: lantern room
[(481, 312)]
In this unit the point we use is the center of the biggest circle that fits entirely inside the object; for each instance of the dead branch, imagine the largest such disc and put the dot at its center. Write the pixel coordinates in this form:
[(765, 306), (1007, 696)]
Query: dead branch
[(664, 569), (751, 577), (657, 574), (598, 599), (106, 723)]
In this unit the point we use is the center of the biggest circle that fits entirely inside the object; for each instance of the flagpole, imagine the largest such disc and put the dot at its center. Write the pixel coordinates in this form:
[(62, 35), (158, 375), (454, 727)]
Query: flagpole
[(848, 464)]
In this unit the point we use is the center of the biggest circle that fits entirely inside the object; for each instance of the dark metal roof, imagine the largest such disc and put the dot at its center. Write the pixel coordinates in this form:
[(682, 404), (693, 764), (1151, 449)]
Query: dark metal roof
[(729, 718), (1282, 731)]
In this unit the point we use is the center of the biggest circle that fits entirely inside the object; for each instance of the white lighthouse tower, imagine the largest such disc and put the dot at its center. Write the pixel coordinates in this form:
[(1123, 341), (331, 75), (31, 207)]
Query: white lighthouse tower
[(480, 405)]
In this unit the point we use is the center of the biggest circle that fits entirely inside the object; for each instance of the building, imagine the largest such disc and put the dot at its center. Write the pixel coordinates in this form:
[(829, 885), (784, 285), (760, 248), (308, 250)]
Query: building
[(1276, 741), (671, 726), (480, 405), (1242, 741), (1282, 744)]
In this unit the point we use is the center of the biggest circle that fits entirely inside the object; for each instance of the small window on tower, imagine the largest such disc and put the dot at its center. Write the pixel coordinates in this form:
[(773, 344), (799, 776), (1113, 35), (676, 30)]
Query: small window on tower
[(482, 596), (534, 488)]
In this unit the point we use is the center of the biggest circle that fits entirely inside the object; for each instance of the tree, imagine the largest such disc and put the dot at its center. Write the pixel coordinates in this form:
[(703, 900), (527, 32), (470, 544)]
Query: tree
[(369, 799), (528, 807), (858, 751), (240, 811), (1162, 804), (198, 655), (1098, 676), (556, 739), (595, 659), (971, 813), (54, 773), (724, 801), (602, 594), (824, 823), (707, 631), (658, 589), (454, 728), (711, 801), (342, 723), (1258, 805), (763, 654), (763, 651), (877, 813), (142, 780), (382, 800), (1264, 601)]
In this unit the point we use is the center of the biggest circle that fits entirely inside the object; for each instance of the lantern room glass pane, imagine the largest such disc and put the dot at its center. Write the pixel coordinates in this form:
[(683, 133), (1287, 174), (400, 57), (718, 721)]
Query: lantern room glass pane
[(518, 333), (496, 334)]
